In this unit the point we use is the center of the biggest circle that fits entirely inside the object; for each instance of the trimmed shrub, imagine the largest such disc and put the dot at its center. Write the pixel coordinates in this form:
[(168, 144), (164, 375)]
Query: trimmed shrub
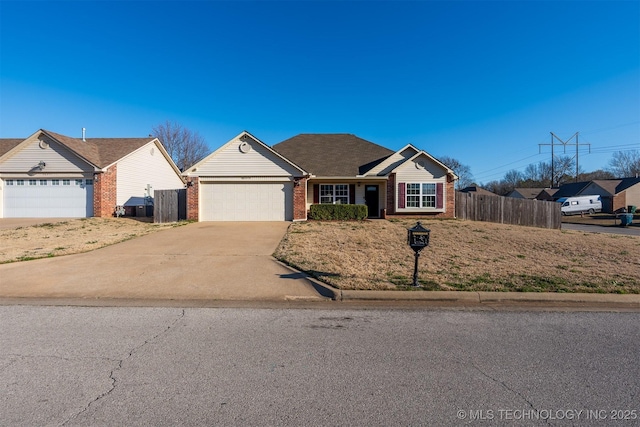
[(338, 212)]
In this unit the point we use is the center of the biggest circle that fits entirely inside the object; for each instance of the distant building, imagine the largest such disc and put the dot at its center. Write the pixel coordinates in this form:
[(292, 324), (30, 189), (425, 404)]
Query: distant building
[(525, 193), (547, 194), (477, 190), (615, 193)]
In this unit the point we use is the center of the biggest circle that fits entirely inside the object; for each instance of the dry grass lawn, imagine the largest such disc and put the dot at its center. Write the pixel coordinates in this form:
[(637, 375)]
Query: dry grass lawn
[(50, 239), (463, 255)]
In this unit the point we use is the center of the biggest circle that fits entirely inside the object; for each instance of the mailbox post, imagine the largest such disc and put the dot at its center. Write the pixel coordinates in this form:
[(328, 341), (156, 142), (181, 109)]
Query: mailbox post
[(418, 238)]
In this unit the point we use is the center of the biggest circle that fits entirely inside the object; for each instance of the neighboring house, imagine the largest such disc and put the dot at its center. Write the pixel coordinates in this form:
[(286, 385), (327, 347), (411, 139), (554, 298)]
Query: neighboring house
[(52, 175), (570, 190), (246, 180), (477, 190), (615, 193), (524, 193), (547, 194)]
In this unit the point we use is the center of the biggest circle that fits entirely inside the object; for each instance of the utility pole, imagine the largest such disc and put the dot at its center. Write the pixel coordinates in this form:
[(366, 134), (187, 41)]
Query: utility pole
[(564, 144)]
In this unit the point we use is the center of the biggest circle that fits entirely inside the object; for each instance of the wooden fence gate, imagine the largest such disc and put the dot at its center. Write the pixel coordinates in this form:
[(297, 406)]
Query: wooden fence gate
[(169, 205), (508, 210)]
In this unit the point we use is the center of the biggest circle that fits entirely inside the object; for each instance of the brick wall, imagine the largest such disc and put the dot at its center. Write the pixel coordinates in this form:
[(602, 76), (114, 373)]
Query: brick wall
[(192, 199), (300, 199), (105, 188), (619, 201), (391, 194)]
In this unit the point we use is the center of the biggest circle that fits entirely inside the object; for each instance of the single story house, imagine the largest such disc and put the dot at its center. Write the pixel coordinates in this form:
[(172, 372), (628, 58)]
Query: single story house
[(615, 193), (525, 193), (570, 189), (547, 194), (246, 180), (477, 190), (52, 175)]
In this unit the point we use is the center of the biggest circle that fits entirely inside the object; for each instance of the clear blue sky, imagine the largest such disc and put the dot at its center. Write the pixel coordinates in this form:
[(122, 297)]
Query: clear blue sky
[(483, 82)]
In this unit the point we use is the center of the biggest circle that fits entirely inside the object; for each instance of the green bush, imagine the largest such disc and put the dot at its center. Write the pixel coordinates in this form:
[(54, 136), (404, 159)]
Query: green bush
[(338, 212)]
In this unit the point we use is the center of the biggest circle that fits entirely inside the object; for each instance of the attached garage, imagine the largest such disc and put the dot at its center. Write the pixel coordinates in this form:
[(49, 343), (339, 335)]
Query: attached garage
[(48, 198), (246, 201), (245, 180), (49, 175)]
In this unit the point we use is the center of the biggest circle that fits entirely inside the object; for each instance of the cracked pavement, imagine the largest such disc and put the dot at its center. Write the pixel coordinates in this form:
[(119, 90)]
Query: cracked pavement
[(78, 366)]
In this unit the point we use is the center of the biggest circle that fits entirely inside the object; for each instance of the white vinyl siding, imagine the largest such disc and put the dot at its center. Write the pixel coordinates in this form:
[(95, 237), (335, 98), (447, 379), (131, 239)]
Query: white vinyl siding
[(145, 166), (420, 178), (57, 159), (246, 201), (230, 161), (393, 161)]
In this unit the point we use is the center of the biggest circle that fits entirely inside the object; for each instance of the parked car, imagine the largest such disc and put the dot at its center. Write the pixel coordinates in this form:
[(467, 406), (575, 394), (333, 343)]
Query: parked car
[(580, 204)]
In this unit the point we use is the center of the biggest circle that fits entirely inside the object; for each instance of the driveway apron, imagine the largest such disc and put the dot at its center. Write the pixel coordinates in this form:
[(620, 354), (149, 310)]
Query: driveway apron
[(206, 260)]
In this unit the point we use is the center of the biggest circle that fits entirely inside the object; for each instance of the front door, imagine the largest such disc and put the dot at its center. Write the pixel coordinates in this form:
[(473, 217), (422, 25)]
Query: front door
[(371, 199)]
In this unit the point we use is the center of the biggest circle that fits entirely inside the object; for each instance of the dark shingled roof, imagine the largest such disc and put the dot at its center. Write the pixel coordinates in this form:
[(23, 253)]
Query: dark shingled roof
[(332, 154), (100, 152), (527, 193), (570, 189), (6, 144), (616, 186), (478, 190)]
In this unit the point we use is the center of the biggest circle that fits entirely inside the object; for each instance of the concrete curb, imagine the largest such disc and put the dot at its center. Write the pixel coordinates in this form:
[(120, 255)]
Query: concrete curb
[(628, 300)]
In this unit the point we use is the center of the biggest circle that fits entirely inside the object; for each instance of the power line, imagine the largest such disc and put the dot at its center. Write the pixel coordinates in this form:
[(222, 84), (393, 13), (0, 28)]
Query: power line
[(504, 166), (589, 132)]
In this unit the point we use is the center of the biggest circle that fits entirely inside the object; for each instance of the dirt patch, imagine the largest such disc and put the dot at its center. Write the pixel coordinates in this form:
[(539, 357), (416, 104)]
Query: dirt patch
[(49, 239), (464, 255)]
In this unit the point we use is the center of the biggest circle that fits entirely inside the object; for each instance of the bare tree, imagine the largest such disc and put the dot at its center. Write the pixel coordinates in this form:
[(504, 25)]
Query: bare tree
[(597, 174), (185, 147), (465, 178), (513, 179), (625, 164)]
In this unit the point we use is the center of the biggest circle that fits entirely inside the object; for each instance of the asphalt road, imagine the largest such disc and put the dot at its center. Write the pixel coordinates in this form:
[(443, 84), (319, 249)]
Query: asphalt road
[(98, 366), (627, 231)]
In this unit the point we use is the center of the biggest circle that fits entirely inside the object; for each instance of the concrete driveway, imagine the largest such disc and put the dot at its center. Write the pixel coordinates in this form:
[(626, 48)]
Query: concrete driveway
[(199, 261)]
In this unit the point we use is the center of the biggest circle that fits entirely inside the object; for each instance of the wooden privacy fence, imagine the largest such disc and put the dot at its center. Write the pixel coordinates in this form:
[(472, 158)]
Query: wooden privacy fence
[(508, 210), (169, 205)]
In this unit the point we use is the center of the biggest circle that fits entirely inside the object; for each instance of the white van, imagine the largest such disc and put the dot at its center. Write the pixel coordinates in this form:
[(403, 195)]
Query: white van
[(580, 204)]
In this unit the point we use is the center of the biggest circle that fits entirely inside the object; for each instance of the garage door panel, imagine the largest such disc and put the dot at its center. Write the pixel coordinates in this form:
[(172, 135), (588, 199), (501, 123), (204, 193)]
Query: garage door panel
[(46, 200), (264, 201)]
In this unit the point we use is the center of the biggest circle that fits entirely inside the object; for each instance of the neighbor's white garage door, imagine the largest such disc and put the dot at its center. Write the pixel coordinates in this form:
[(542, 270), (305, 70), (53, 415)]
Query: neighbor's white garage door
[(48, 198), (263, 201)]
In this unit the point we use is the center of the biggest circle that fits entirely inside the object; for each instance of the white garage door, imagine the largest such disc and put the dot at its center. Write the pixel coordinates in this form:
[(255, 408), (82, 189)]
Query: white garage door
[(264, 201), (48, 198)]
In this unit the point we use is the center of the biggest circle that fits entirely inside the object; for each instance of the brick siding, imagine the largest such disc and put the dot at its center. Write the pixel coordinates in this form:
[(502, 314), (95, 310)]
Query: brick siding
[(192, 199), (619, 201), (105, 194), (300, 199), (391, 194)]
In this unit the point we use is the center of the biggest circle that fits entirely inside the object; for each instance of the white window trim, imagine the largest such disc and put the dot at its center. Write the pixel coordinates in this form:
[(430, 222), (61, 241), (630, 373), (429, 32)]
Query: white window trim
[(333, 195), (421, 195)]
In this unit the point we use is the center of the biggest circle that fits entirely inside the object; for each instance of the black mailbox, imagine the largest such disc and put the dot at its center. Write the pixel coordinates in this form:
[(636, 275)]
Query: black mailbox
[(418, 237)]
